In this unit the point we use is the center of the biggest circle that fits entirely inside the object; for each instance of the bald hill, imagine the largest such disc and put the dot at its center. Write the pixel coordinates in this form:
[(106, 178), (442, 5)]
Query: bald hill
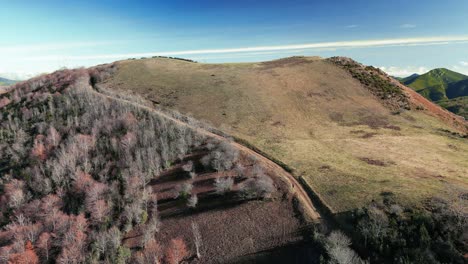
[(349, 132)]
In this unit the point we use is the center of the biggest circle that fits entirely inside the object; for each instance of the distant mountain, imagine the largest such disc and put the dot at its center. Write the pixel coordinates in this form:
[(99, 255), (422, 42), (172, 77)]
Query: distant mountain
[(433, 84), (409, 78), (4, 81), (443, 86)]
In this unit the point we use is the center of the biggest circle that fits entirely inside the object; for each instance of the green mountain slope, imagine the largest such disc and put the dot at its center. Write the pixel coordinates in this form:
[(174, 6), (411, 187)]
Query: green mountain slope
[(457, 89), (433, 84), (447, 88)]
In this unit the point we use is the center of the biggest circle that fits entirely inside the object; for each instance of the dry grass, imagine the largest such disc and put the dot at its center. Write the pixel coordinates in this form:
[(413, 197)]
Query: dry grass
[(303, 111)]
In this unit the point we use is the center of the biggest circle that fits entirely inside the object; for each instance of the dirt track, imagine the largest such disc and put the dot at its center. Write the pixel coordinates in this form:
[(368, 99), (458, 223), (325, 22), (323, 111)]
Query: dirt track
[(294, 186)]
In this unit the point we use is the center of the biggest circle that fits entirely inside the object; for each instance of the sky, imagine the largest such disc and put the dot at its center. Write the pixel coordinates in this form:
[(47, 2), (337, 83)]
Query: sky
[(400, 37)]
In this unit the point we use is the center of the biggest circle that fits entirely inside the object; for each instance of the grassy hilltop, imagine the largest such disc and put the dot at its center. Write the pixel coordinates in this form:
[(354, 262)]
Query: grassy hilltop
[(331, 124)]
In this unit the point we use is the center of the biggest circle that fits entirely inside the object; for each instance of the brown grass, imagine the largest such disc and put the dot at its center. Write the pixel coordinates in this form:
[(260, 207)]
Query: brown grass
[(301, 111)]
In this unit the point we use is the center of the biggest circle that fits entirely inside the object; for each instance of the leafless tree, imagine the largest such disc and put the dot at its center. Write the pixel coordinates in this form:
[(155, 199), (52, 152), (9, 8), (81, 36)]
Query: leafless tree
[(183, 190), (223, 185), (337, 246), (197, 238), (192, 201), (188, 166)]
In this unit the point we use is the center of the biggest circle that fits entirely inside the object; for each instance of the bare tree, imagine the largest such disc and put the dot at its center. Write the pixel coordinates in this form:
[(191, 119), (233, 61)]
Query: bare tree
[(197, 238), (188, 166), (192, 201), (183, 190), (337, 246), (223, 185)]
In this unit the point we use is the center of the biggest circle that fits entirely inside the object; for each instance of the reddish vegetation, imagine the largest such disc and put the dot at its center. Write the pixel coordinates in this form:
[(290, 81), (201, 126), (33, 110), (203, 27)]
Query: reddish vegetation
[(27, 257), (150, 254), (176, 251), (4, 102), (39, 150)]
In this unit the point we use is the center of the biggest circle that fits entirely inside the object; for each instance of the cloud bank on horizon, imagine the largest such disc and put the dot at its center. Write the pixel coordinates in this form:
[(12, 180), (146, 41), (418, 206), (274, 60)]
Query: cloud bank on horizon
[(400, 43)]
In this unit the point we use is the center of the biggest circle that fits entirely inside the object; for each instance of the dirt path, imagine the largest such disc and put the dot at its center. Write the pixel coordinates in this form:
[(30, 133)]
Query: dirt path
[(294, 186)]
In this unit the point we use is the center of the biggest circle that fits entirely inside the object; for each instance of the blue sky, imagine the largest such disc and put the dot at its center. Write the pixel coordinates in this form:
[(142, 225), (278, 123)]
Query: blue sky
[(401, 37)]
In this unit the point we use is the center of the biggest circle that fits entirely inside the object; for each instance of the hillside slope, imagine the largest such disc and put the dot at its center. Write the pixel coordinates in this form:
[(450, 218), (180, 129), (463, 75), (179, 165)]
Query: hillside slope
[(349, 140), (457, 89), (91, 176)]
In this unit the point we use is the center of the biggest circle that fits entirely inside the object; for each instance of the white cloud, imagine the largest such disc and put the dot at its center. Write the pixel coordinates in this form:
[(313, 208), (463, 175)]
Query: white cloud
[(464, 63), (404, 71), (461, 69), (318, 45), (408, 26), (23, 61), (49, 47)]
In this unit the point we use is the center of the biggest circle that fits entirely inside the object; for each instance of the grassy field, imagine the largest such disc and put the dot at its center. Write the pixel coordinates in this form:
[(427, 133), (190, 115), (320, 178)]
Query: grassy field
[(316, 118)]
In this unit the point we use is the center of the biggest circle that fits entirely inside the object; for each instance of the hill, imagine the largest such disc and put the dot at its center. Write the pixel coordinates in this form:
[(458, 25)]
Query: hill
[(433, 84), (374, 155), (90, 176), (348, 141), (91, 173)]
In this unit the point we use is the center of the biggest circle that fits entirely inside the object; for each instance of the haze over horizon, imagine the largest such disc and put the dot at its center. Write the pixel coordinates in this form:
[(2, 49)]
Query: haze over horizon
[(401, 38)]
